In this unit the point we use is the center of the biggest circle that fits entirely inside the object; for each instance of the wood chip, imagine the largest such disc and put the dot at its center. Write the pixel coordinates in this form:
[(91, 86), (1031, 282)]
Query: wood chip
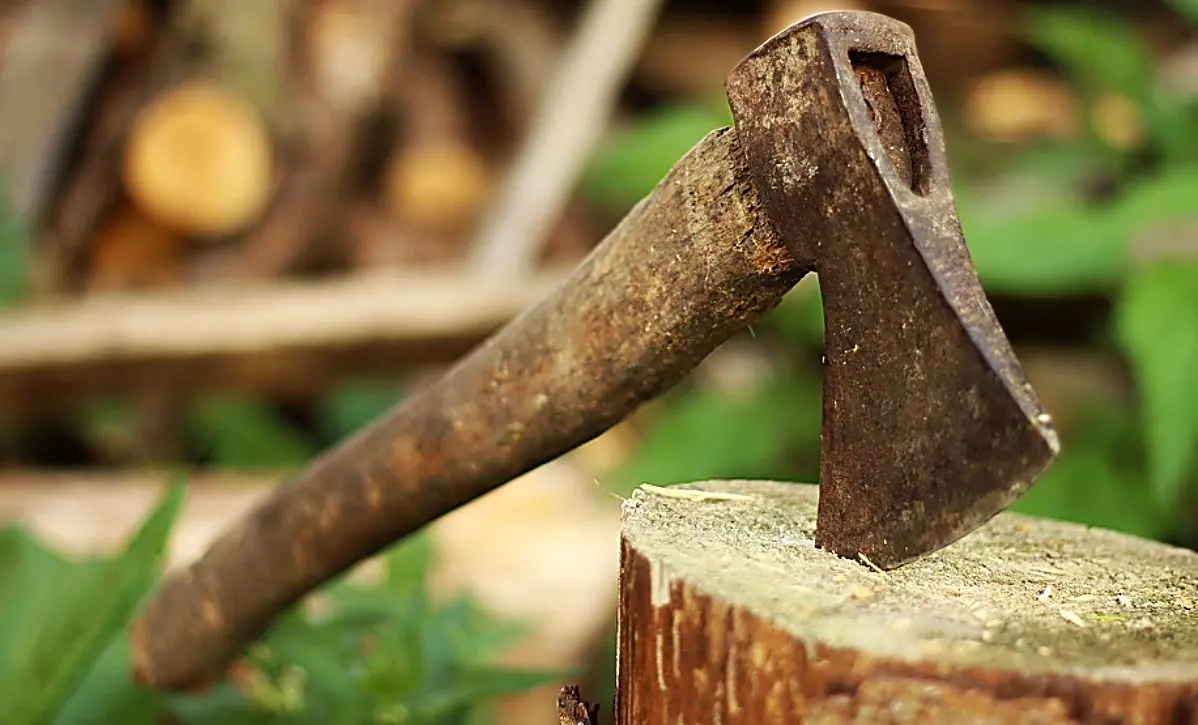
[(693, 495), (865, 560)]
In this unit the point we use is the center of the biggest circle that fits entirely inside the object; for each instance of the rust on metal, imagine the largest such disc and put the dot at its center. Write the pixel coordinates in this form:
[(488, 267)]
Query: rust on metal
[(929, 425)]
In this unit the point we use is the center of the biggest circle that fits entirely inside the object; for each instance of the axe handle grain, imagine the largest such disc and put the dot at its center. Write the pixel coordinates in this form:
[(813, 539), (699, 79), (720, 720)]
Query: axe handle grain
[(689, 266)]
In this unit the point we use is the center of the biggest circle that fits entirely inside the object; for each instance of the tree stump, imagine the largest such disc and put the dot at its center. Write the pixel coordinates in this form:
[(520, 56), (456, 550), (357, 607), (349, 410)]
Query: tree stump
[(729, 614)]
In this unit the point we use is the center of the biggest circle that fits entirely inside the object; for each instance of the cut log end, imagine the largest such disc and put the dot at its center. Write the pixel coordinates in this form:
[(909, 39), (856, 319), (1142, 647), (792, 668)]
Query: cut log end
[(730, 614)]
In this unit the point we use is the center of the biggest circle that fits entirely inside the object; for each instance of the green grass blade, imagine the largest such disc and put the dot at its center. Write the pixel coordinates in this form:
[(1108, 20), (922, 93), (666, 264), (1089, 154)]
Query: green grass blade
[(76, 629)]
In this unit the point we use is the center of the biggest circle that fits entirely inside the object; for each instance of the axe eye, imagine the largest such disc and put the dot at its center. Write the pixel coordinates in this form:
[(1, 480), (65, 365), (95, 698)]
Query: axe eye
[(894, 107)]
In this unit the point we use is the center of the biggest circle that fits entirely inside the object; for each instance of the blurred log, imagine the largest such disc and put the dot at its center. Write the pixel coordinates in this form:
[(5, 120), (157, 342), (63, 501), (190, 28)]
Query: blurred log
[(1020, 104), (350, 54), (131, 251), (92, 186), (52, 57), (198, 160), (435, 180), (283, 338), (728, 613), (438, 180)]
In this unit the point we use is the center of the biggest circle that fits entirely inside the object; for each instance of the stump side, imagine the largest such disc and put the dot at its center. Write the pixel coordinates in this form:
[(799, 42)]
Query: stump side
[(730, 614)]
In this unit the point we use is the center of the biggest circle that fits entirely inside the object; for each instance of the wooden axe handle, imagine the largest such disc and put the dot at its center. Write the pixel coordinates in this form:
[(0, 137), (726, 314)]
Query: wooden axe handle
[(689, 266)]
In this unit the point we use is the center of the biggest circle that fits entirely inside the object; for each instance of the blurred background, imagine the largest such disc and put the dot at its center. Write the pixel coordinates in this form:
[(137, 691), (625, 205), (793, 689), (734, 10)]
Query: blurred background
[(231, 233)]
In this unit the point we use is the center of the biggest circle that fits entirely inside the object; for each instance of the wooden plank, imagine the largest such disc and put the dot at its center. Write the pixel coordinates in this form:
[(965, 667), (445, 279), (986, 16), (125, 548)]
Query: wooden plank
[(269, 337)]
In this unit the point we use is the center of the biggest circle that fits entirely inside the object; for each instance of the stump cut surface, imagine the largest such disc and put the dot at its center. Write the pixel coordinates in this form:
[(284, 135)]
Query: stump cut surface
[(730, 614)]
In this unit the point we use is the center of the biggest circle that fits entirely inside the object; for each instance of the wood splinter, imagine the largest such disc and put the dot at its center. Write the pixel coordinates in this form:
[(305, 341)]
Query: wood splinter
[(730, 614)]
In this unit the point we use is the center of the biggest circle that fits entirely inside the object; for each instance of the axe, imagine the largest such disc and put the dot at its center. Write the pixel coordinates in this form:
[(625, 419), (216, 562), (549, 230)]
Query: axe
[(835, 165)]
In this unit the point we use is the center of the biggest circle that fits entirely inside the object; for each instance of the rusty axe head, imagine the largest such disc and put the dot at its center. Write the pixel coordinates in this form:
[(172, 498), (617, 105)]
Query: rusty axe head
[(929, 426)]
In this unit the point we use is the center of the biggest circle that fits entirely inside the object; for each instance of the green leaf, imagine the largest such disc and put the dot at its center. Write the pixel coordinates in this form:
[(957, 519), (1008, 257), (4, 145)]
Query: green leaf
[(223, 705), (707, 434), (14, 255), (1096, 482), (1027, 230), (1166, 197), (39, 575), (108, 694), (1033, 177), (632, 162), (60, 641), (1156, 320), (245, 433), (1063, 246), (1055, 250)]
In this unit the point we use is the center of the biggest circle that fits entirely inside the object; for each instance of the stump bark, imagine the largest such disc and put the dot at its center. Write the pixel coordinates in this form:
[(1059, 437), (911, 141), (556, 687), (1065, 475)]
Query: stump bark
[(729, 614)]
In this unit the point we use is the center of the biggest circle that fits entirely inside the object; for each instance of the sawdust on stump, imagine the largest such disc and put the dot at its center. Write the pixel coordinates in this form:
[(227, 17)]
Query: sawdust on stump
[(729, 614)]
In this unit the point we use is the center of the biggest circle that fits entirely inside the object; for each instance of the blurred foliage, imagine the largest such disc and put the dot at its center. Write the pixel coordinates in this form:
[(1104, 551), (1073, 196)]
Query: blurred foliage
[(703, 435), (381, 655), (14, 254), (1187, 9), (245, 433), (378, 653), (1035, 231), (1157, 323), (69, 612), (352, 405)]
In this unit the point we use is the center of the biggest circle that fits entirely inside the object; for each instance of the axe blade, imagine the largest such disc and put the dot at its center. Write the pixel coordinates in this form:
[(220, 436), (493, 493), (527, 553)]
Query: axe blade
[(930, 427)]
